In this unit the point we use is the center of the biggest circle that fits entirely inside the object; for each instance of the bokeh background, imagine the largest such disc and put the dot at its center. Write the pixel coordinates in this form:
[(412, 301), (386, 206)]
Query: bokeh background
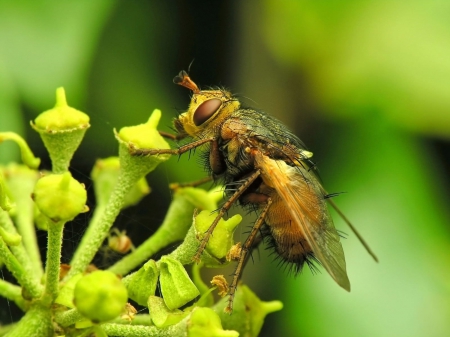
[(365, 84)]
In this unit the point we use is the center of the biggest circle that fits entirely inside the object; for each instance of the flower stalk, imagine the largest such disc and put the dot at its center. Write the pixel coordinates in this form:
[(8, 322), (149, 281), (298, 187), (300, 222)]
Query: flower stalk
[(132, 169), (21, 180), (55, 235)]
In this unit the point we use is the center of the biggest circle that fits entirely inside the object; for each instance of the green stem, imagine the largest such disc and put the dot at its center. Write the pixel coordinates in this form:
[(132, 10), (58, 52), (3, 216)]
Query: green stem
[(4, 329), (36, 322), (13, 293), (131, 170), (21, 186), (25, 224), (24, 277), (142, 319), (21, 254), (69, 317), (126, 330), (174, 228), (98, 230), (52, 269)]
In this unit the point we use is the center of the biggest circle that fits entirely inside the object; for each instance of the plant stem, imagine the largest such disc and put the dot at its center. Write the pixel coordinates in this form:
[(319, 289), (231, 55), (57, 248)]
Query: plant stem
[(141, 319), (99, 229), (131, 170), (52, 269), (174, 228), (21, 255), (21, 182), (24, 277), (69, 317), (36, 322), (24, 222), (126, 330), (4, 329), (13, 293)]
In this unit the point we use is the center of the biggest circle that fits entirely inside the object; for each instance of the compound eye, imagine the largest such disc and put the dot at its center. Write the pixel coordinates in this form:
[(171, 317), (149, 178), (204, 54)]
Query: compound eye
[(206, 110)]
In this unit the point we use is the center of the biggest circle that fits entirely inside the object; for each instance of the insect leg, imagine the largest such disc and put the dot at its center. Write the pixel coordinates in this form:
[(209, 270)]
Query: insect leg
[(175, 186), (180, 150), (246, 248), (226, 206), (172, 136)]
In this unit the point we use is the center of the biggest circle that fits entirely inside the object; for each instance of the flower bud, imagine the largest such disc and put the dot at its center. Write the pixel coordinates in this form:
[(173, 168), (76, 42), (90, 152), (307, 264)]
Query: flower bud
[(134, 138), (248, 312), (60, 197), (142, 284), (61, 129), (204, 322), (27, 156), (176, 286), (65, 295), (144, 136), (105, 174), (100, 296), (161, 315), (221, 240), (10, 239)]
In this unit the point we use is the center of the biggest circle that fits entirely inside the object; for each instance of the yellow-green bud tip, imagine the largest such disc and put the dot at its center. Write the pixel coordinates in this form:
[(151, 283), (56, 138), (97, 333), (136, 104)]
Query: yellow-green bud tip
[(144, 136), (60, 97), (154, 118), (62, 118)]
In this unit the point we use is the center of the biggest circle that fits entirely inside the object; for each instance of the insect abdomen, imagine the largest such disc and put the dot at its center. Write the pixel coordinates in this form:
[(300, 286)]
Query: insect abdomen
[(285, 236)]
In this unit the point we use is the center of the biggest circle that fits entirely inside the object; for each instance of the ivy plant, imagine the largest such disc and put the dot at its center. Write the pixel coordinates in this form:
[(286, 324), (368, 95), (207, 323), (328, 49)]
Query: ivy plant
[(78, 299)]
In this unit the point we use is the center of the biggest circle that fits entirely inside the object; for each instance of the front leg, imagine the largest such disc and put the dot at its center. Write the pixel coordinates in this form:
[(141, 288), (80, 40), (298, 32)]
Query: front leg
[(182, 149)]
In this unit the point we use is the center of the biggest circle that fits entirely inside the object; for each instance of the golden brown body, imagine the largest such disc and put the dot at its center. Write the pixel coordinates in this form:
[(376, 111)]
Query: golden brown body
[(265, 167)]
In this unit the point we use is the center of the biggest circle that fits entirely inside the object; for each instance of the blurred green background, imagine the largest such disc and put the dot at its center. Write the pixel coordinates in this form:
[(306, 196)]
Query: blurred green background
[(365, 84)]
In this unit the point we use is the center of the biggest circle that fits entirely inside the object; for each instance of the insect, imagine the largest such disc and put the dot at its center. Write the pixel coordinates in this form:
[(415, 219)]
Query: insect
[(266, 167)]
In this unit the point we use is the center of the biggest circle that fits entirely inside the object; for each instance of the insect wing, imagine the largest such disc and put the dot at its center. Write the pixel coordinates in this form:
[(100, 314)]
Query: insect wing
[(302, 193)]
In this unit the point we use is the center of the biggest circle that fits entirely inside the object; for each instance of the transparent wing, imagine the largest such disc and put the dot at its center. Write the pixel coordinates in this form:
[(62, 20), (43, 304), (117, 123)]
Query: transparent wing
[(303, 195)]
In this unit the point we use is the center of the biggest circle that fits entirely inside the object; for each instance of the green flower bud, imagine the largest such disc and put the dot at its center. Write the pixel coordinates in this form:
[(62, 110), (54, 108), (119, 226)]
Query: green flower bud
[(105, 174), (10, 239), (204, 322), (142, 284), (100, 296), (40, 219), (161, 315), (60, 197), (65, 295), (144, 136), (27, 156), (176, 286), (222, 239), (248, 312), (61, 129), (201, 199)]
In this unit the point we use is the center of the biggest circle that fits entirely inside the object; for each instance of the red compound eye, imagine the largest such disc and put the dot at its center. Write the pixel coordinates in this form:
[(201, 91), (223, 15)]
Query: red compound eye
[(206, 110)]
